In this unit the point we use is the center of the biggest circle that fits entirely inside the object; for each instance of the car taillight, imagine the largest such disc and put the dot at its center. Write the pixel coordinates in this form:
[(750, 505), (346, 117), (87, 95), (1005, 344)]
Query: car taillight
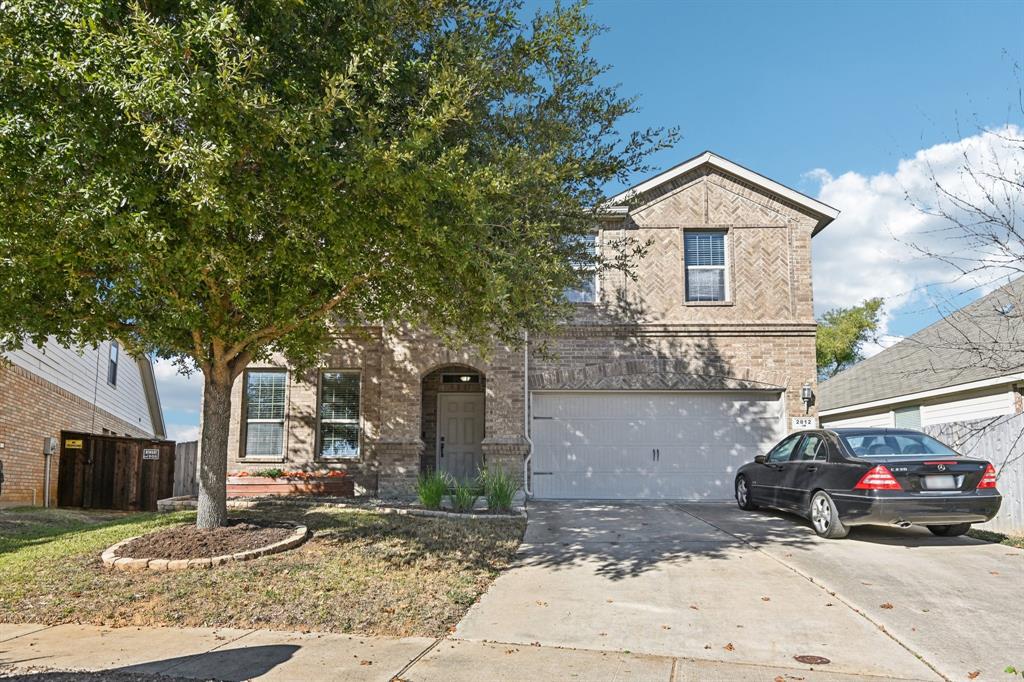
[(988, 479), (878, 478)]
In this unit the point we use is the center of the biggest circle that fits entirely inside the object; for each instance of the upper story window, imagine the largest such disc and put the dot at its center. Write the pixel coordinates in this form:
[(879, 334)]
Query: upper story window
[(586, 292), (339, 414), (115, 350), (704, 253), (264, 412)]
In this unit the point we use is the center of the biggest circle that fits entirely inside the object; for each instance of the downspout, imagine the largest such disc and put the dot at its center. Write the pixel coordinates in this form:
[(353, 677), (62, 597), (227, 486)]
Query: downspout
[(526, 414)]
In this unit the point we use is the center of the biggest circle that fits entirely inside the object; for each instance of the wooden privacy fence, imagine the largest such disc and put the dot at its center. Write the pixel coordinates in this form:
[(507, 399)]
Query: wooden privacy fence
[(186, 457), (111, 472), (1000, 440)]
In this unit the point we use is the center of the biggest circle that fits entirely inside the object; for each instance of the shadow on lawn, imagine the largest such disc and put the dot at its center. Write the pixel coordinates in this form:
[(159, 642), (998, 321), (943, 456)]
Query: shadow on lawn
[(403, 540), (21, 528)]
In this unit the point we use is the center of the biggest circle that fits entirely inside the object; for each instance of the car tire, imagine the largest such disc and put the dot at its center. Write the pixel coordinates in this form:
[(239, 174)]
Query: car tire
[(744, 495), (824, 517), (950, 531)]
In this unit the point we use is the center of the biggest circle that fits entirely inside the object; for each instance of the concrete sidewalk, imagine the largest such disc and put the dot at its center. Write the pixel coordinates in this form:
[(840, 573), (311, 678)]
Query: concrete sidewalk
[(228, 654)]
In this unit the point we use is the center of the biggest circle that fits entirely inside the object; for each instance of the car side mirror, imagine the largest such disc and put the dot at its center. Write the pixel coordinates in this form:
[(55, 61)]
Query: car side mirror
[(760, 459)]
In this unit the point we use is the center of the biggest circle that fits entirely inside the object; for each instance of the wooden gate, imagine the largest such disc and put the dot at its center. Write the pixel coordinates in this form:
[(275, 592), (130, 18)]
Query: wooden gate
[(111, 472)]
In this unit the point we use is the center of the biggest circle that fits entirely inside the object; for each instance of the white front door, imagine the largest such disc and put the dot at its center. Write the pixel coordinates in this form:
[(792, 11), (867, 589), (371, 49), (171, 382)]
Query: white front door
[(635, 445), (460, 430)]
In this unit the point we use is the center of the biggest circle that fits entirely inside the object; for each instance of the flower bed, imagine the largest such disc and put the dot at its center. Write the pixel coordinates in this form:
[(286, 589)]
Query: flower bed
[(278, 482)]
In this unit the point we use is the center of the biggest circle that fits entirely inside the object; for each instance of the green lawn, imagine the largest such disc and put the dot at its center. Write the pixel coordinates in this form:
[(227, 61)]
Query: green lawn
[(362, 572), (1011, 540)]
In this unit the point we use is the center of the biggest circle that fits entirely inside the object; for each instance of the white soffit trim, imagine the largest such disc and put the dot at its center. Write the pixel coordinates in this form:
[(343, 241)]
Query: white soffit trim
[(827, 213), (933, 393)]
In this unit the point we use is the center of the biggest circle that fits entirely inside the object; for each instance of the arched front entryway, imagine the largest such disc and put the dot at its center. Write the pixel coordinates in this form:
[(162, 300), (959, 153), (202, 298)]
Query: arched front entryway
[(452, 420)]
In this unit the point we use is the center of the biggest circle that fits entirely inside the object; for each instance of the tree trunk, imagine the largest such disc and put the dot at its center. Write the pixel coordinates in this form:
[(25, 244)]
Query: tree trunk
[(213, 459)]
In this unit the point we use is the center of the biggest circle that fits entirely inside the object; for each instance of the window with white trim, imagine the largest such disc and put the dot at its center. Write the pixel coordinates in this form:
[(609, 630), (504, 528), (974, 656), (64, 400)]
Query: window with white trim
[(586, 292), (264, 413), (704, 255), (114, 353), (339, 414)]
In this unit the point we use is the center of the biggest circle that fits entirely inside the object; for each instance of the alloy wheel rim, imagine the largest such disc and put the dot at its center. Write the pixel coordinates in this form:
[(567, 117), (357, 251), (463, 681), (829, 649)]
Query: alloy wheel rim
[(741, 491), (822, 513)]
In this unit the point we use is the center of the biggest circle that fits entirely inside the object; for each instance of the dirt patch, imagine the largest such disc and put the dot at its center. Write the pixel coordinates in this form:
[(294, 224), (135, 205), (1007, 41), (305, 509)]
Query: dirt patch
[(189, 542)]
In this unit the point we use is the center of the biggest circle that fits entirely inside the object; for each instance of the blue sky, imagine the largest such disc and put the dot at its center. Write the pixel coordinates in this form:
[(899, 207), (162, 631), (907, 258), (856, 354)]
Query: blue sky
[(784, 88), (845, 101)]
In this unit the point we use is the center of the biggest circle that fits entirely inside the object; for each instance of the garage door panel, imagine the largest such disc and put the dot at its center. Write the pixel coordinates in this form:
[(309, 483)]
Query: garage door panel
[(633, 486), (600, 445)]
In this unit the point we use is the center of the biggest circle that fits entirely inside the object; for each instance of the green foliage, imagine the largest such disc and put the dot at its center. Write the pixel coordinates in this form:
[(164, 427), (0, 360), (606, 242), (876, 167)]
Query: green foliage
[(218, 181), (842, 333), (499, 489), (214, 181), (431, 489), (464, 496)]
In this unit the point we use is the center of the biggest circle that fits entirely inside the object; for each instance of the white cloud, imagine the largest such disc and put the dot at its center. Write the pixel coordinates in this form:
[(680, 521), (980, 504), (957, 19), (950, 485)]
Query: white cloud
[(865, 253), (177, 392), (182, 432)]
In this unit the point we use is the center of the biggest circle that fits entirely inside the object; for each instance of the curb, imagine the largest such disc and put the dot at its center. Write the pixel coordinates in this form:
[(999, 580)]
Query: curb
[(111, 560)]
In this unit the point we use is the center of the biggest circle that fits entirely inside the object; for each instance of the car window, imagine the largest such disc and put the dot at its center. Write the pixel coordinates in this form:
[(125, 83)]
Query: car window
[(784, 450), (888, 444), (810, 448)]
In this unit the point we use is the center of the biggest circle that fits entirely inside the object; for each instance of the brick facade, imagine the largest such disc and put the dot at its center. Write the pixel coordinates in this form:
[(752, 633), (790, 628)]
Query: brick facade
[(31, 409), (641, 335)]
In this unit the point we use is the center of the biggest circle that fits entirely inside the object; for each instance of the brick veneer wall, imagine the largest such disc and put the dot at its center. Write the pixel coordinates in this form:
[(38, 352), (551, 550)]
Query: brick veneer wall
[(32, 409), (642, 335)]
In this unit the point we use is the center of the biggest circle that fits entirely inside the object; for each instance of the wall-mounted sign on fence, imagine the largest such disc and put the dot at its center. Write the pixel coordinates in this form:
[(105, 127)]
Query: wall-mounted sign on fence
[(150, 453)]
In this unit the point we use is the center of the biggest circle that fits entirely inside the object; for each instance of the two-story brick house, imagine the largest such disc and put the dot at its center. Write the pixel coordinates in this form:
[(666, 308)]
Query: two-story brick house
[(657, 388)]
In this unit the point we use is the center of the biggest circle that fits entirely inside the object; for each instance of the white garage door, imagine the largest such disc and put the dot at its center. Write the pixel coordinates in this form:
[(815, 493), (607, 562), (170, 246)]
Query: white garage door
[(629, 445)]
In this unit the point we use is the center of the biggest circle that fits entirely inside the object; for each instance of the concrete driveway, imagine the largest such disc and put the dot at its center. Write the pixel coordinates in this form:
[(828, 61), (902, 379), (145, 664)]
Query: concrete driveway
[(708, 581)]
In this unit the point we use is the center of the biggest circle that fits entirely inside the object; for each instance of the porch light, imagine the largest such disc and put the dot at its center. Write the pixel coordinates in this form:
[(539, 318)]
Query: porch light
[(807, 396)]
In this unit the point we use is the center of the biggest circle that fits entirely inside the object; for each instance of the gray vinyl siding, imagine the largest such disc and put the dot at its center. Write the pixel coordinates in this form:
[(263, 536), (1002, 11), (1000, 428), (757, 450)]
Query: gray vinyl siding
[(78, 372)]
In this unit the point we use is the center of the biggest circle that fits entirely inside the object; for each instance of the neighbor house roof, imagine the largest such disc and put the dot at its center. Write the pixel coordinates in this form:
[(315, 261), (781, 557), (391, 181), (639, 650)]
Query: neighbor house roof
[(823, 212), (156, 413), (969, 348)]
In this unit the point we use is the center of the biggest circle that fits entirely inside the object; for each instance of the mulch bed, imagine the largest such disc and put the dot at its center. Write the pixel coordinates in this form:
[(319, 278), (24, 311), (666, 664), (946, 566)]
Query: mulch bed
[(189, 542)]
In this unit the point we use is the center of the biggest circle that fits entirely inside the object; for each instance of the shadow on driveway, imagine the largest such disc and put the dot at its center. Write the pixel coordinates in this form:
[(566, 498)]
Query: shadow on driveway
[(623, 539)]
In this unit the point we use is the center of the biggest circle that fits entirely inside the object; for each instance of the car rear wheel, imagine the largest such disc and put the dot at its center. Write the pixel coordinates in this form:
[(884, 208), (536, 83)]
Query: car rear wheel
[(743, 498), (951, 530), (825, 518)]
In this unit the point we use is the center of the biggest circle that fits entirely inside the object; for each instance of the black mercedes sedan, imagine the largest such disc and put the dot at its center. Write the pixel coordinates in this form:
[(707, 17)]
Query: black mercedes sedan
[(846, 477)]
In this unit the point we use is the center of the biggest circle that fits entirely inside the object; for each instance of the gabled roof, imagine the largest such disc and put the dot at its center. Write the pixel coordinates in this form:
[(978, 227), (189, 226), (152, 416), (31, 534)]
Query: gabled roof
[(156, 413), (825, 213), (974, 346)]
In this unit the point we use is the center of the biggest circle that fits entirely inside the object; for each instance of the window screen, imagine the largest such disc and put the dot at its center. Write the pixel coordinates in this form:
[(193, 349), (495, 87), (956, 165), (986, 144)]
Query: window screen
[(586, 292), (264, 413), (115, 351), (704, 254), (339, 414)]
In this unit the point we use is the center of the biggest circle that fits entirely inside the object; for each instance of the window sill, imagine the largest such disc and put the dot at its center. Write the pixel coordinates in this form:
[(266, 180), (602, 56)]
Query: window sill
[(708, 304), (261, 459)]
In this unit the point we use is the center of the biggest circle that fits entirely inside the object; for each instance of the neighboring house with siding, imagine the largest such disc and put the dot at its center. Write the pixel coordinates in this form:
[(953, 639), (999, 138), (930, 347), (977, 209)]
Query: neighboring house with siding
[(960, 379), (48, 389), (658, 387)]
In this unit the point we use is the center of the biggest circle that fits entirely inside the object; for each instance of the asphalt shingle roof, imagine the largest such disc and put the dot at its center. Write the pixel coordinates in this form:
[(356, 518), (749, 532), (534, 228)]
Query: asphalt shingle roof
[(982, 340)]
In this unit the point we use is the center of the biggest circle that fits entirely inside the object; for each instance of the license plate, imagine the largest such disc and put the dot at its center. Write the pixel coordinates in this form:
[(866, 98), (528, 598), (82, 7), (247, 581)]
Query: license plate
[(945, 482)]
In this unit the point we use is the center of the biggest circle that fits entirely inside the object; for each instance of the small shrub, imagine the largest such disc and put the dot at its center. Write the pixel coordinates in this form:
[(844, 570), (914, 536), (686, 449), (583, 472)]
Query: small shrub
[(430, 488), (499, 489), (464, 496)]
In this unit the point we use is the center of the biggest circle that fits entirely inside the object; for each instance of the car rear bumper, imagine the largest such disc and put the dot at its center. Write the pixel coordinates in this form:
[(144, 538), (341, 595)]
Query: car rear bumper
[(884, 508)]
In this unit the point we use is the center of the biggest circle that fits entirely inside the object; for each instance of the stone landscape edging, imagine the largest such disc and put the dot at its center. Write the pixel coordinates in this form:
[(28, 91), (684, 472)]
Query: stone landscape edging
[(111, 560)]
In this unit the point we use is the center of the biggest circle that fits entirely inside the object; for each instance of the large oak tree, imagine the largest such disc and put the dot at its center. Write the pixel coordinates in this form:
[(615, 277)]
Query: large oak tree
[(213, 182)]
